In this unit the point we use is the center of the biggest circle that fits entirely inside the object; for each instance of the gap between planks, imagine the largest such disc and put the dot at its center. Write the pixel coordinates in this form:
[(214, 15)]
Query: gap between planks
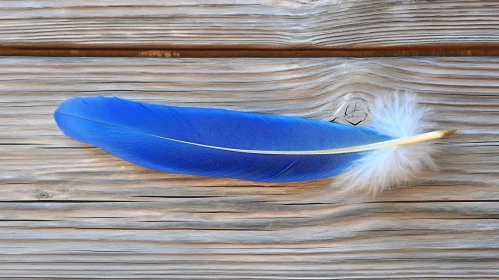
[(248, 51)]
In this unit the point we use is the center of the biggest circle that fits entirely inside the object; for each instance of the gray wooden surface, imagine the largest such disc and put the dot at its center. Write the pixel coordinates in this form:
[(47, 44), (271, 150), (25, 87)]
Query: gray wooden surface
[(249, 23), (68, 210)]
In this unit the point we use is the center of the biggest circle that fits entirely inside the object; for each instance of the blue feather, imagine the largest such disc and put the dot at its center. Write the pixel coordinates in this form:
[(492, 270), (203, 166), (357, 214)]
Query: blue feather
[(181, 139)]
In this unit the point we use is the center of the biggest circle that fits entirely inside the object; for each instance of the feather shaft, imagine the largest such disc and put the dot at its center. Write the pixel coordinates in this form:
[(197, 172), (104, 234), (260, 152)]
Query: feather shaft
[(434, 135)]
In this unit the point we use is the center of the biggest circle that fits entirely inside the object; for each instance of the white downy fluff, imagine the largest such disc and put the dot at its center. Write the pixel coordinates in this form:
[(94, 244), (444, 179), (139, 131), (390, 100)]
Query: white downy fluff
[(398, 116)]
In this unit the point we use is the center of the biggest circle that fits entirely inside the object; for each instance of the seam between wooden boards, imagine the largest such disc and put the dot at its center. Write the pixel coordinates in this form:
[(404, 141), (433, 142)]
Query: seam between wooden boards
[(248, 51)]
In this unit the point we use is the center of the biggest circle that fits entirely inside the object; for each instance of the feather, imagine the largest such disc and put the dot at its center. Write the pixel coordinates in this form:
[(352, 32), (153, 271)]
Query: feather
[(252, 146)]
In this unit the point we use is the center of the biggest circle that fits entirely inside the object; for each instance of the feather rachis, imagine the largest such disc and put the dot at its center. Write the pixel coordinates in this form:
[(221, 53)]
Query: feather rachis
[(399, 116)]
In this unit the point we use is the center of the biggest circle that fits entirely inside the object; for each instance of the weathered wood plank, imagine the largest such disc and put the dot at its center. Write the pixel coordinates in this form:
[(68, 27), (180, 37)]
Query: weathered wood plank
[(249, 23), (69, 210)]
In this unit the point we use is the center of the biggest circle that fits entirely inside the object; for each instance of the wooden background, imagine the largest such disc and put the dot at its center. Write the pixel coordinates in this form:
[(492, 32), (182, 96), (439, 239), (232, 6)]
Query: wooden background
[(70, 211)]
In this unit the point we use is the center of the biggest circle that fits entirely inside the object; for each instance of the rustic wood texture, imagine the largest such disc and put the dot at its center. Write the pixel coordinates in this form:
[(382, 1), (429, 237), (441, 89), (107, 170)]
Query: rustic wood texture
[(249, 23), (68, 210)]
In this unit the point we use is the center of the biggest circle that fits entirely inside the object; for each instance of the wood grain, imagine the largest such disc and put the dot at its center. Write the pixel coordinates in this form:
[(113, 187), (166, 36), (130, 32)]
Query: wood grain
[(68, 210), (249, 24)]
